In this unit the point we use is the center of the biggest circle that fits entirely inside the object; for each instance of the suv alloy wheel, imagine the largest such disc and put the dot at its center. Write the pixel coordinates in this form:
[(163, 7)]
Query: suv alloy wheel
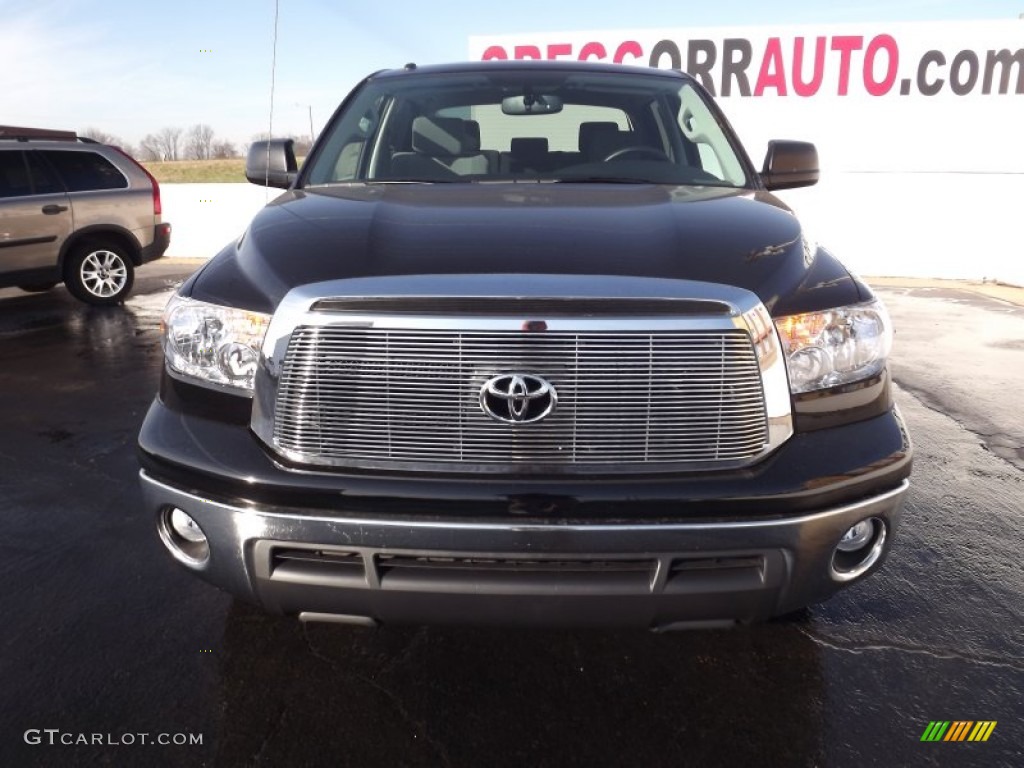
[(99, 273)]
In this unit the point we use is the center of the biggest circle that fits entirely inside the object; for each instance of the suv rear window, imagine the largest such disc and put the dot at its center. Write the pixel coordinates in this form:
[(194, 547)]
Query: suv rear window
[(44, 181), (85, 171)]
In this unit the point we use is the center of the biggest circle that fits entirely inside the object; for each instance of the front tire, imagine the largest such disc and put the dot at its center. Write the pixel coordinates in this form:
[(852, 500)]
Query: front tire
[(99, 274)]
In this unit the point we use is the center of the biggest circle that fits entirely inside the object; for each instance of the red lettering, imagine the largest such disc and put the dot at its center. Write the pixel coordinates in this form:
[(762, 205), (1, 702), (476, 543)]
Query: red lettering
[(846, 45), (628, 48), (593, 51), (495, 52), (559, 49), (800, 87), (773, 70), (887, 44), (527, 52)]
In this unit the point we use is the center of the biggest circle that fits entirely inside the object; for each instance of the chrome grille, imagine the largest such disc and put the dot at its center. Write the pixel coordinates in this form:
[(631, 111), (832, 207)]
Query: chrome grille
[(354, 396)]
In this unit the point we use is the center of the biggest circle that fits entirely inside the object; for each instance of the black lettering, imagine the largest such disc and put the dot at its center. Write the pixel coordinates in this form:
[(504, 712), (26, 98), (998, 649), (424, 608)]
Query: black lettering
[(1005, 59), (700, 66), (930, 88), (734, 66), (963, 87), (675, 58)]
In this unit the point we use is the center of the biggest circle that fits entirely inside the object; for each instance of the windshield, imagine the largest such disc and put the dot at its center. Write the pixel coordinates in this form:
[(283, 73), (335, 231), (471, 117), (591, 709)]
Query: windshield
[(518, 125)]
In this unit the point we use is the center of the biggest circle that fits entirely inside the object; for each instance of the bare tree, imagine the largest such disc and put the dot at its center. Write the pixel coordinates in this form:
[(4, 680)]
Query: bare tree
[(97, 134), (199, 145), (100, 135), (302, 143), (149, 148), (264, 136), (169, 141), (223, 149)]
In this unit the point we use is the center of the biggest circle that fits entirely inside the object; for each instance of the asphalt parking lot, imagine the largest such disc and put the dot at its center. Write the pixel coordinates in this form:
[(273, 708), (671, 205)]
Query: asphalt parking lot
[(104, 635)]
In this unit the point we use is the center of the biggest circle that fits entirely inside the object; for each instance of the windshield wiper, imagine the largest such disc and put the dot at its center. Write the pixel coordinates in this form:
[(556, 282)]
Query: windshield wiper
[(603, 180), (417, 181)]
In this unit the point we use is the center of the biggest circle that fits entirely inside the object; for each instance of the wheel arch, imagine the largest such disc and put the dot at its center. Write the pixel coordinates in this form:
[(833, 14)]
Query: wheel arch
[(102, 233)]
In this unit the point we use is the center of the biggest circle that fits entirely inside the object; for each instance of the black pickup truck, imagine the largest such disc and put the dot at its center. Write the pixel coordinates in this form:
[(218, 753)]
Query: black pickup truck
[(527, 343)]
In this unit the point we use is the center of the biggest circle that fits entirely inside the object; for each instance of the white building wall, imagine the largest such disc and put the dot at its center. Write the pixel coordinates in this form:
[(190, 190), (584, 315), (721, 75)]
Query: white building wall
[(882, 224)]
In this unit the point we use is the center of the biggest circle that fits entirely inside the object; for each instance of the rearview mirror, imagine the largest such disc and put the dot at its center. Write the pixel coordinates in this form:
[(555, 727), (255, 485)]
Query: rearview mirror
[(272, 163), (790, 164), (531, 104)]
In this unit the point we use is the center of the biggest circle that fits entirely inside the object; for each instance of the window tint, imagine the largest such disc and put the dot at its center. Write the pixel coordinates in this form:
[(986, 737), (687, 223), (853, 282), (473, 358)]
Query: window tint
[(709, 161), (85, 171), (464, 127), (562, 130), (13, 175), (699, 126), (348, 161), (44, 181)]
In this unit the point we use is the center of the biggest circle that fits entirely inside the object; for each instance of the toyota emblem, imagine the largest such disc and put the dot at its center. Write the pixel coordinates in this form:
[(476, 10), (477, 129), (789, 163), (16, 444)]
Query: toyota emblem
[(518, 398)]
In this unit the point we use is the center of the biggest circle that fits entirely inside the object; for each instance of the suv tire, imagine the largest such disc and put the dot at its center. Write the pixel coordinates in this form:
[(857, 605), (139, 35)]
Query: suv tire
[(99, 273)]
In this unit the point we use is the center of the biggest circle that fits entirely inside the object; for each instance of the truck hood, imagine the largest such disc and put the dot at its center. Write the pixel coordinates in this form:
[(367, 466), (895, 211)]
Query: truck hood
[(737, 237)]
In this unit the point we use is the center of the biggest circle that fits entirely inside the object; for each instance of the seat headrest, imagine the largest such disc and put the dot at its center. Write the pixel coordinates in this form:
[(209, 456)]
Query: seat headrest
[(528, 149), (442, 136), (472, 128), (589, 131)]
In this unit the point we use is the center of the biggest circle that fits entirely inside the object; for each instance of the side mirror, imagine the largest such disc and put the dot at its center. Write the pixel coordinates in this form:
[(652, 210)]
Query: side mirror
[(790, 164), (272, 163)]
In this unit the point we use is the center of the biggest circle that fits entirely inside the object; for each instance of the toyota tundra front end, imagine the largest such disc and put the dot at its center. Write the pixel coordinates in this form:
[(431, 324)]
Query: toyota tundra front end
[(527, 343)]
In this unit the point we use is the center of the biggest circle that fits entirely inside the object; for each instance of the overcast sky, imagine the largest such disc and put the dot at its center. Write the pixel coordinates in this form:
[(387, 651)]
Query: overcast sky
[(131, 67)]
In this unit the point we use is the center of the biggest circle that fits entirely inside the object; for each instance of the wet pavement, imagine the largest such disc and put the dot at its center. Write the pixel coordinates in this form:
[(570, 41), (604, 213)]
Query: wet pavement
[(103, 634)]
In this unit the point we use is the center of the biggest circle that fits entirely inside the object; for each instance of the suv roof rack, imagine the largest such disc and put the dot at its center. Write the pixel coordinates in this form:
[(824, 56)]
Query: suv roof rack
[(14, 133)]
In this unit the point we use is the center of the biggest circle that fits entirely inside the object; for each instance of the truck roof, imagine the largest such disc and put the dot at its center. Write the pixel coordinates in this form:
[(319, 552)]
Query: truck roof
[(467, 67)]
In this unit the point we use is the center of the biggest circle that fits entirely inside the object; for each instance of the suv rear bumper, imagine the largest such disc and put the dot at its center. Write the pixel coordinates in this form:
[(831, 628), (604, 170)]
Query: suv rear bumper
[(365, 569), (157, 248)]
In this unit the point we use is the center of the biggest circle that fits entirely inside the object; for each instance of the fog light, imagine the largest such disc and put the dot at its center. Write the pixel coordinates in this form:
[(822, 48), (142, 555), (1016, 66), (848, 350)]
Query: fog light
[(859, 549), (856, 537), (189, 529), (183, 538)]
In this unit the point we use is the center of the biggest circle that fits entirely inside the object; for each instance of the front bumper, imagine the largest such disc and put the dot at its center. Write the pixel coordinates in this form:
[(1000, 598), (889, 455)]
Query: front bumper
[(364, 569)]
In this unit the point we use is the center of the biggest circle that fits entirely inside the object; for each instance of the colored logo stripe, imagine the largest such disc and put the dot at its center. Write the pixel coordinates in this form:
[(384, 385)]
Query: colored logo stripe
[(958, 730), (982, 730)]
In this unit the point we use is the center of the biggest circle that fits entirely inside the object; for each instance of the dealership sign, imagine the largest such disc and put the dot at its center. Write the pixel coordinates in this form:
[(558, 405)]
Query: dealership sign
[(911, 96)]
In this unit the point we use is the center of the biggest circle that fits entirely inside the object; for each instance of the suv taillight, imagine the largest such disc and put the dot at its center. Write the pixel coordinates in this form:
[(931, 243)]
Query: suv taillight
[(157, 205)]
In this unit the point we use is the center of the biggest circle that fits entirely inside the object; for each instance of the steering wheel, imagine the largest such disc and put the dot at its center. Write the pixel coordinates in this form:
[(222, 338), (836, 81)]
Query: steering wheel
[(640, 151)]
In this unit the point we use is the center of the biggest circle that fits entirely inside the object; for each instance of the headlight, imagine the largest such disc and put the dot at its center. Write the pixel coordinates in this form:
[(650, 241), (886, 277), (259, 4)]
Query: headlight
[(838, 346), (217, 345)]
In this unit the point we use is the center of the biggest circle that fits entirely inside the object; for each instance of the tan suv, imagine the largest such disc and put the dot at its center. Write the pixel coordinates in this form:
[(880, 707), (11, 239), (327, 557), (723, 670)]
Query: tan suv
[(76, 211)]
